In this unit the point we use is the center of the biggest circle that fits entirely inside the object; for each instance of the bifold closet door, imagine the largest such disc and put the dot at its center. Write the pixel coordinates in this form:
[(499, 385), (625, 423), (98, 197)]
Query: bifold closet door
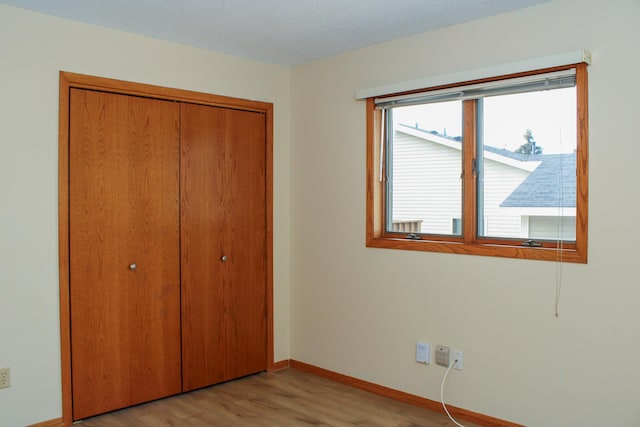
[(124, 250), (223, 241)]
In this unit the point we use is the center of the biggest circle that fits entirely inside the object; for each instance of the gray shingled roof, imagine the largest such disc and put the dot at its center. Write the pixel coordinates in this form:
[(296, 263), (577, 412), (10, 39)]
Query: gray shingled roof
[(552, 184)]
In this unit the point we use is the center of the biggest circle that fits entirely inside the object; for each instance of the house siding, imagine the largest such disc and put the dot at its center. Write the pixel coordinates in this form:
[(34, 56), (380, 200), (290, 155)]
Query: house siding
[(418, 162), (549, 227), (499, 181)]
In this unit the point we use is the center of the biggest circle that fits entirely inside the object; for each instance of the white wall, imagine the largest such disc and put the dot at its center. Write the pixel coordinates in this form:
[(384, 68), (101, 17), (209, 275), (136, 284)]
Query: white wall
[(359, 311), (33, 49)]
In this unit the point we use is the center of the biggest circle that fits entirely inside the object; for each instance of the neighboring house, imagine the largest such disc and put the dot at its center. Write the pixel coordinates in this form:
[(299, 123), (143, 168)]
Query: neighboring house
[(524, 196)]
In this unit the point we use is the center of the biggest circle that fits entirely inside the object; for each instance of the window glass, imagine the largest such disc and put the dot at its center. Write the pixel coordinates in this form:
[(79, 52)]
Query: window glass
[(424, 167), (527, 172)]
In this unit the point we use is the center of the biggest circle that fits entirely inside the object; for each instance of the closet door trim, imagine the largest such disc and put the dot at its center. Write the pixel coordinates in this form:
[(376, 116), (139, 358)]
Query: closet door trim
[(73, 80)]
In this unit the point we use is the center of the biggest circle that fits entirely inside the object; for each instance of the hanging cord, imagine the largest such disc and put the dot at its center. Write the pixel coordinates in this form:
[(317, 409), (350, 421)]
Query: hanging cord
[(442, 394), (559, 250), (559, 263)]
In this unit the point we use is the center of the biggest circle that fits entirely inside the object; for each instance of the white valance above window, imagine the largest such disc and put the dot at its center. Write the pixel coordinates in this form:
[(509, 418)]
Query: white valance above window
[(576, 57)]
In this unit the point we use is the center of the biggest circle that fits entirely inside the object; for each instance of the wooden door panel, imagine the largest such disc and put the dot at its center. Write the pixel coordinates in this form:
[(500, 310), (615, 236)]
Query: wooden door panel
[(94, 175), (155, 299), (223, 214), (123, 192), (202, 245), (246, 241)]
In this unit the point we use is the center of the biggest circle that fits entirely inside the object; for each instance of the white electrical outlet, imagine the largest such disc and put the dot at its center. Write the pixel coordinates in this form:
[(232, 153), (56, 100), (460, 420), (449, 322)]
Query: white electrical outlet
[(458, 358), (423, 352), (442, 355), (5, 377)]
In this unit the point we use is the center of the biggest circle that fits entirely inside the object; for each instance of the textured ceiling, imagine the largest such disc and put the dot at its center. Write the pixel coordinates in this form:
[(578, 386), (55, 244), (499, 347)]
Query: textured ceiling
[(286, 32)]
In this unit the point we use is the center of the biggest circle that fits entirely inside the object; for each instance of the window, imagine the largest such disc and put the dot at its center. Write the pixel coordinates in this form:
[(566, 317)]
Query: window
[(493, 167)]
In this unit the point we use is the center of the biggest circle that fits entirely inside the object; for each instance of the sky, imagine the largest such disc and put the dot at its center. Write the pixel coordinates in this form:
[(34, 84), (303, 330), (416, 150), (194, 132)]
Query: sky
[(551, 116)]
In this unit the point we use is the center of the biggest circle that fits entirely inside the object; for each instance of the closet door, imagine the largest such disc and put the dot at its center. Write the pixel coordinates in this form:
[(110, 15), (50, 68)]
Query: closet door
[(223, 241), (124, 250)]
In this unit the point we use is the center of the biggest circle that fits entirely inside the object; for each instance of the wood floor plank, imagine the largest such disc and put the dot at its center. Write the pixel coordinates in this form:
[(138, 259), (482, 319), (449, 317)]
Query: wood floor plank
[(288, 398)]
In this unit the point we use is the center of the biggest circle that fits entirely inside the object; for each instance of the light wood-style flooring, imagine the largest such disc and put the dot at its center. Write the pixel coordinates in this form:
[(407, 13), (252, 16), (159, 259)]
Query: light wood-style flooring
[(286, 398)]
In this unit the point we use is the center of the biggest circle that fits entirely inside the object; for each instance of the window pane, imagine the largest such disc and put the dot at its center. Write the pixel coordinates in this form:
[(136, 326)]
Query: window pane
[(424, 164), (527, 176)]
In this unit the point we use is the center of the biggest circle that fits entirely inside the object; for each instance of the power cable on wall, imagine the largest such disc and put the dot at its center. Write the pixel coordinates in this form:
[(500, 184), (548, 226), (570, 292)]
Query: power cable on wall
[(442, 394)]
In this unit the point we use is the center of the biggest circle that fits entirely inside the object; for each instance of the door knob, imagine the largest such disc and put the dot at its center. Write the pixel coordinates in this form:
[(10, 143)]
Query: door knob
[(223, 258), (133, 267)]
